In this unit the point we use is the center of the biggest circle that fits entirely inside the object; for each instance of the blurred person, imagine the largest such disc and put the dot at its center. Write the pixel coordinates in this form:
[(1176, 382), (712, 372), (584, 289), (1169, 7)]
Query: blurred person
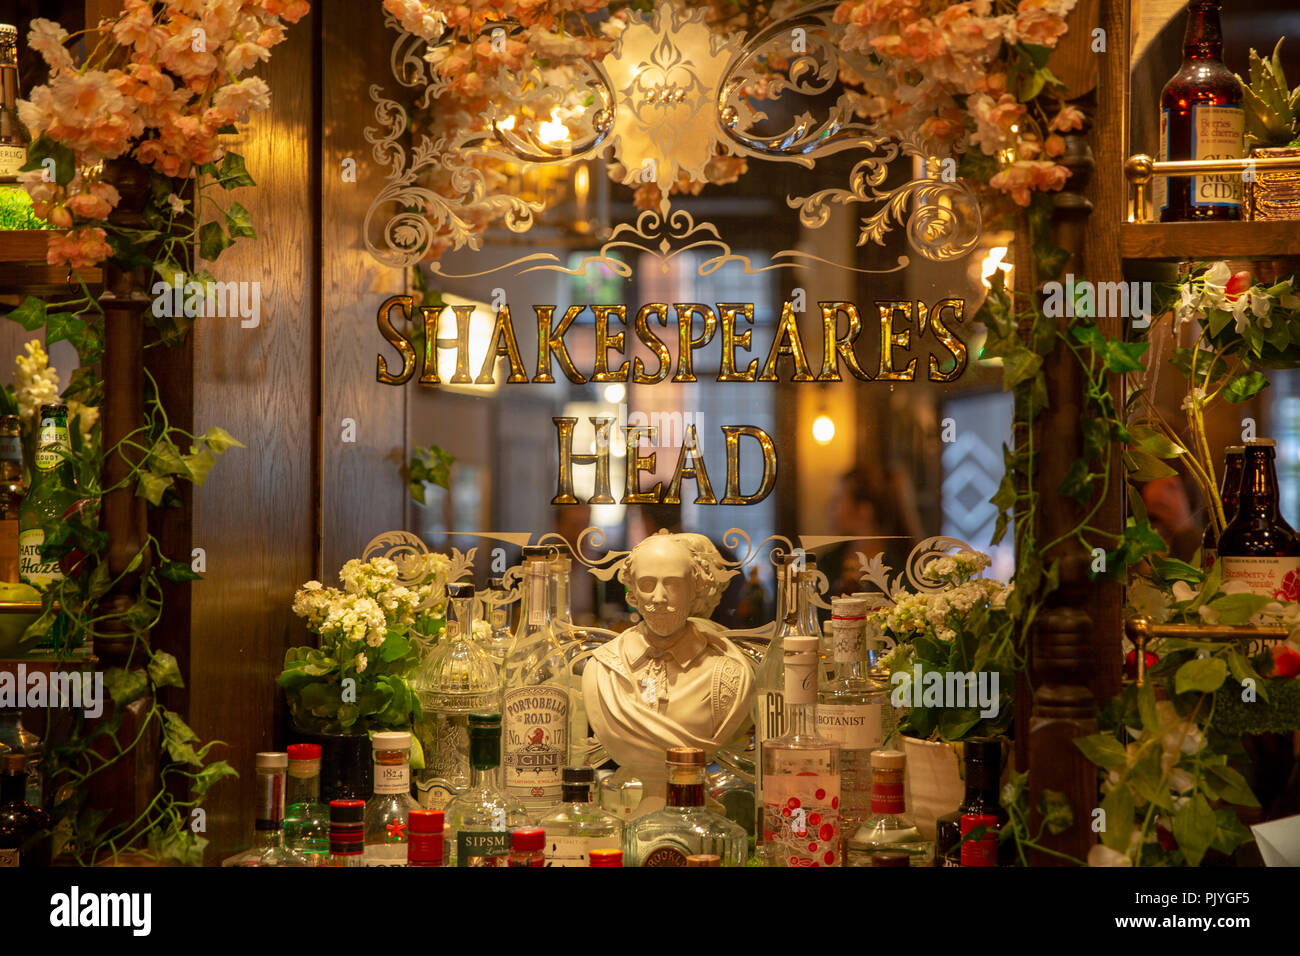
[(876, 507), (1173, 512)]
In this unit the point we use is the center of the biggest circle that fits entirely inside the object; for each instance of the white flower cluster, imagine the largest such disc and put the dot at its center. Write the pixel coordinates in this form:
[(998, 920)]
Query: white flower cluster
[(943, 612), (36, 382), (962, 566), (1209, 290)]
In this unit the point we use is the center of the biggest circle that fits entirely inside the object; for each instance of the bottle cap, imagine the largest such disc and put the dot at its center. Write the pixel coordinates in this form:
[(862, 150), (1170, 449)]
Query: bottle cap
[(14, 763), (347, 811), (391, 740), (605, 857), (578, 776), (53, 408), (1260, 443), (425, 821), (528, 839), (888, 760), (1235, 450), (891, 859), (848, 606), (484, 721), (304, 751), (496, 584), (687, 756), (538, 552), (462, 590), (704, 859), (271, 761), (982, 750), (801, 644)]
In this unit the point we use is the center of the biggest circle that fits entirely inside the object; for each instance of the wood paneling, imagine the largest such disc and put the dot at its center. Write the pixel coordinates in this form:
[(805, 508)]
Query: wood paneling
[(362, 492), (254, 518)]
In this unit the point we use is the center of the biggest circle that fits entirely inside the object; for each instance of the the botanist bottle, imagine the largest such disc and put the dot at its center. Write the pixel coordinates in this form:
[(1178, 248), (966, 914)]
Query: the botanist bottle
[(1258, 546), (12, 493), (53, 490), (14, 137)]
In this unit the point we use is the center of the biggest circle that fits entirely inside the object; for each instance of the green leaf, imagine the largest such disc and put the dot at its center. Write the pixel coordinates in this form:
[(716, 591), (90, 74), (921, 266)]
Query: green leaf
[(1194, 828), (164, 671), (394, 647), (152, 487), (1240, 668), (1205, 674), (1103, 750), (218, 439), (198, 464), (238, 222), (1171, 569), (1155, 442), (1241, 387), (1118, 806), (178, 739), (125, 686), (233, 173), (1019, 367), (1234, 609), (1077, 483), (212, 240), (1146, 700), (1146, 778), (30, 314), (1145, 467), (177, 571), (1233, 786), (65, 162), (1058, 815)]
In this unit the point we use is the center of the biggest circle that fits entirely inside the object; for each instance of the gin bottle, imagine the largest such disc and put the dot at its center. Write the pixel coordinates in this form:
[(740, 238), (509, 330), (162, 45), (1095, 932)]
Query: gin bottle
[(478, 821), (801, 773), (386, 811), (500, 637), (535, 708), (306, 819), (684, 827), (890, 827), (578, 826), (347, 832), (456, 678), (852, 709), (268, 847)]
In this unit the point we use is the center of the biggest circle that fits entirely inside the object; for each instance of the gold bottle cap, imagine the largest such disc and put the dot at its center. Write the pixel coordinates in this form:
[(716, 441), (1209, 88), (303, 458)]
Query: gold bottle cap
[(704, 859), (686, 757), (888, 760)]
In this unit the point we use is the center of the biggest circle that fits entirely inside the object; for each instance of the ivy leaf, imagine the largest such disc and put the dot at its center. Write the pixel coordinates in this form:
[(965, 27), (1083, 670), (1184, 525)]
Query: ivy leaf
[(233, 173), (65, 163), (125, 686), (218, 439), (1077, 483), (199, 463), (1155, 442), (164, 671), (1194, 828), (1058, 815), (1171, 569), (1103, 750), (1242, 387), (1019, 367), (1205, 674), (1145, 776), (1118, 806), (1146, 700), (178, 571), (239, 223), (1143, 466), (152, 487), (1240, 668), (1233, 786), (178, 738), (212, 240), (1234, 609), (30, 315)]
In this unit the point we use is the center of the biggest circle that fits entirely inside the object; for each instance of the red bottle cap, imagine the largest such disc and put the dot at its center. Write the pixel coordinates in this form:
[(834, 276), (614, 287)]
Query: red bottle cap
[(528, 839), (304, 751), (605, 857), (425, 821)]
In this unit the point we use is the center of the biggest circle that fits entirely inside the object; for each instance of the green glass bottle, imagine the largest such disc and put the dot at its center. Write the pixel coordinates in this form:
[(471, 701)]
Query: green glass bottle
[(53, 490)]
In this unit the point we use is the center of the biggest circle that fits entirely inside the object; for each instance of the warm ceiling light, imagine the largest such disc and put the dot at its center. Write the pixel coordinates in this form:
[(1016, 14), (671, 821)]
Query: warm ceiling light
[(823, 429), (552, 131)]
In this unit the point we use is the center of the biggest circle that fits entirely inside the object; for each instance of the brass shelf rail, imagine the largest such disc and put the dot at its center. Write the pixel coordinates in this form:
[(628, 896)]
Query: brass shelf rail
[(1141, 629), (1141, 169)]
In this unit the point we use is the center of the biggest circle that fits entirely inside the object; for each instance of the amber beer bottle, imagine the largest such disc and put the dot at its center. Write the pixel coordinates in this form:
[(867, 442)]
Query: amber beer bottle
[(1229, 494), (1258, 546), (1201, 118), (11, 496)]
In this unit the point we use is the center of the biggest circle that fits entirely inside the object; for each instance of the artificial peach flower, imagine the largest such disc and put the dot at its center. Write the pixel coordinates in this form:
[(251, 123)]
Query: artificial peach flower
[(249, 95), (1070, 117), (86, 206), (1025, 176), (78, 249), (85, 112), (243, 56), (1039, 23), (1055, 145), (46, 38)]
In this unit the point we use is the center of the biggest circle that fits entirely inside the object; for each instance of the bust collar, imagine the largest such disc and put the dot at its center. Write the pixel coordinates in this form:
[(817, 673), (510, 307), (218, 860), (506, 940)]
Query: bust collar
[(638, 651)]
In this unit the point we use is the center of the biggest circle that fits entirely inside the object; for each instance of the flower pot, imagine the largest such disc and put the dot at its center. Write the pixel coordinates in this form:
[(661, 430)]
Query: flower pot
[(933, 785), (1273, 196), (346, 764)]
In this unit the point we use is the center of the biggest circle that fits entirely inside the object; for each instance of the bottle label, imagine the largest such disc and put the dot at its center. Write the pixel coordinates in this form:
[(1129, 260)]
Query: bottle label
[(497, 618), (666, 855), (1217, 133), (9, 858), (802, 818), (434, 796), (12, 160), (1277, 578), (850, 642), (887, 798), (31, 570), (53, 437), (855, 726), (392, 777), (535, 741), (573, 850), (482, 847), (982, 851), (11, 448), (537, 600), (800, 683), (385, 854)]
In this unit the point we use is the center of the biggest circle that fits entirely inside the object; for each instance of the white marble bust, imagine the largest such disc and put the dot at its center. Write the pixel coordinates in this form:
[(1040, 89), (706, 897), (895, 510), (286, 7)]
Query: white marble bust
[(674, 679)]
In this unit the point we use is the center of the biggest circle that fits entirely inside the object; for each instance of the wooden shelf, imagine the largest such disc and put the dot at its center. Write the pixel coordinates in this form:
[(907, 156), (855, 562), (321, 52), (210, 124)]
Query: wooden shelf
[(1177, 241), (46, 662), (25, 271)]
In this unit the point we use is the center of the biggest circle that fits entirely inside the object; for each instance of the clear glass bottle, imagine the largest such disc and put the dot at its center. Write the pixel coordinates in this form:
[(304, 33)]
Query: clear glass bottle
[(386, 822), (306, 818), (14, 138), (853, 710), (560, 571), (801, 773), (268, 847), (18, 739), (536, 704), (578, 826), (456, 678), (684, 827), (12, 492), (890, 827), (347, 833), (24, 827), (479, 820), (497, 609)]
